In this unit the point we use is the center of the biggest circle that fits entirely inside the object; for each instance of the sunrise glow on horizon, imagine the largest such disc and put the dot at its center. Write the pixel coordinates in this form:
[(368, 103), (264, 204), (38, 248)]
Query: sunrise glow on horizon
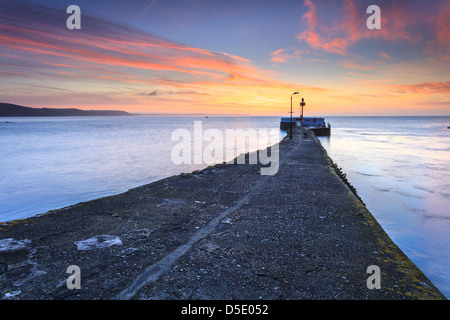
[(228, 57)]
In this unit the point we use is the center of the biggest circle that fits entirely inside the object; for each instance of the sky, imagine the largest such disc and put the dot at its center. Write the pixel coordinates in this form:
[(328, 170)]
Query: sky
[(228, 57)]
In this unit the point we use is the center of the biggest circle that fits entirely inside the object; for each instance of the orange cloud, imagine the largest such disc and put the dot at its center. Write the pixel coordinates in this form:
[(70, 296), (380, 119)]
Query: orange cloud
[(425, 88), (106, 52), (278, 59), (112, 65), (158, 72)]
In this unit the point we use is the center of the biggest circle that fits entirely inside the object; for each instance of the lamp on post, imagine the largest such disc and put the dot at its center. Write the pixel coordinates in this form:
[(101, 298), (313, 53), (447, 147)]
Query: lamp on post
[(302, 104), (290, 131)]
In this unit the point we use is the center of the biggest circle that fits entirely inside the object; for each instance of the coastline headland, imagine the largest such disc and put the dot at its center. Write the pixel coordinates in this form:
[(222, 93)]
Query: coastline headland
[(13, 110), (225, 232)]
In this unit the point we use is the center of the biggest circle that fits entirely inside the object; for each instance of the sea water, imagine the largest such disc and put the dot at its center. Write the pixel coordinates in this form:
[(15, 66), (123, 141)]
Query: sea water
[(398, 165), (400, 168), (52, 162)]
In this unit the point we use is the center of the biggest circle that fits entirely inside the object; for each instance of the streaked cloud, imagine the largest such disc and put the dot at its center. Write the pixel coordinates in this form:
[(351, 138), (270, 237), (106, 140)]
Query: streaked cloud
[(326, 53), (412, 22), (103, 53), (425, 88), (354, 65), (155, 93)]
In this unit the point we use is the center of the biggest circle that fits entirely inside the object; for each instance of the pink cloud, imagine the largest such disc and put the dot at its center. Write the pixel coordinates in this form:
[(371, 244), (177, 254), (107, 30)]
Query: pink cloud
[(425, 88), (277, 52), (400, 21), (278, 59), (107, 49), (109, 55), (276, 56), (384, 55), (354, 65), (281, 55), (443, 25)]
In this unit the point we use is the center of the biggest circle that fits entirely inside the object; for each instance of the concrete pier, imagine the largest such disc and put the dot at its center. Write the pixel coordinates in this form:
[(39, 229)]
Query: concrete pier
[(225, 232)]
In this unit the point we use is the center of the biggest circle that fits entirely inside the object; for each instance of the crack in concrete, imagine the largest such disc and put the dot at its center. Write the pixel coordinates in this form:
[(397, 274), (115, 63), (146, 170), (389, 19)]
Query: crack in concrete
[(153, 272)]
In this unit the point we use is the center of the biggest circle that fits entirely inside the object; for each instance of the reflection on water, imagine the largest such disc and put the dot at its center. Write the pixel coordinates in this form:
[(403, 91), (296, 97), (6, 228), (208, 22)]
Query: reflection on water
[(49, 163), (399, 166)]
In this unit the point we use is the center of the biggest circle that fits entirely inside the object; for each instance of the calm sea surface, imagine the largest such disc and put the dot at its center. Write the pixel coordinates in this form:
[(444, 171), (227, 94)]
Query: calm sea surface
[(399, 166), (52, 162)]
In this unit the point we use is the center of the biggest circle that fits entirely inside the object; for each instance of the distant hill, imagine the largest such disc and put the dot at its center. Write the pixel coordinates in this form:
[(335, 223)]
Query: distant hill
[(12, 110)]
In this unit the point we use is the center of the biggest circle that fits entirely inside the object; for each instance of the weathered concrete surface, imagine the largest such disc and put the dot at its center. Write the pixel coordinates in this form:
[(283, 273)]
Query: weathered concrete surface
[(225, 232)]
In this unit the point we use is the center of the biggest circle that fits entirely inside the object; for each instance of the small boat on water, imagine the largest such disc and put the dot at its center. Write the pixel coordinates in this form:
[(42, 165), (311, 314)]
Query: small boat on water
[(314, 124)]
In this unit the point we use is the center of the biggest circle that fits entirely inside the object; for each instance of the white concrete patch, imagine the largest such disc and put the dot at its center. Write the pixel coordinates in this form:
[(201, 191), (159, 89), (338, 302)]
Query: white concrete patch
[(101, 241), (12, 294), (10, 244)]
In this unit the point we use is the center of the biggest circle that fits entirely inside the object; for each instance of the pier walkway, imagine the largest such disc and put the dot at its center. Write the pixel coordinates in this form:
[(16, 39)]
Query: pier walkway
[(225, 232)]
